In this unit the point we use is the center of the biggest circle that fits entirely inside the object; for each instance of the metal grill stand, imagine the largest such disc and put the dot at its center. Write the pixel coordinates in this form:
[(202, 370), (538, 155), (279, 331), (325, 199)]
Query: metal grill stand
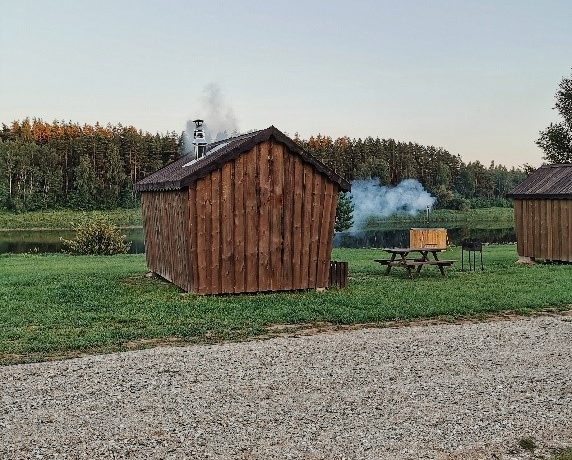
[(471, 247)]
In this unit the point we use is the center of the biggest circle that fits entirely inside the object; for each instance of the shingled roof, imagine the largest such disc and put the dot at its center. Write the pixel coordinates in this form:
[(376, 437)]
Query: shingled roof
[(548, 181), (186, 170)]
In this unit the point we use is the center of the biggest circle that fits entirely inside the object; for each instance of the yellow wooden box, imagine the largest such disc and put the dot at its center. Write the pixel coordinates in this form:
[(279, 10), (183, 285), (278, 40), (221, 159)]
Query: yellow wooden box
[(428, 238)]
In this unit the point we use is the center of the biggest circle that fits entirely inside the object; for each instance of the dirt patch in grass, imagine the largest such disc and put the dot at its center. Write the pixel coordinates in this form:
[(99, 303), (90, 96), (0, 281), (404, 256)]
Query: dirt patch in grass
[(315, 328)]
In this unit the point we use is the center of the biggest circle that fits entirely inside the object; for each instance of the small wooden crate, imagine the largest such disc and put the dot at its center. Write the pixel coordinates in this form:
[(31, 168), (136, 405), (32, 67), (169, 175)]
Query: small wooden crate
[(338, 274), (428, 238)]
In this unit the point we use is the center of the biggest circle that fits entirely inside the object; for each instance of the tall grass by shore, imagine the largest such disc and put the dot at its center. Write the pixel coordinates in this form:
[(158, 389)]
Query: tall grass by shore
[(481, 215), (65, 219)]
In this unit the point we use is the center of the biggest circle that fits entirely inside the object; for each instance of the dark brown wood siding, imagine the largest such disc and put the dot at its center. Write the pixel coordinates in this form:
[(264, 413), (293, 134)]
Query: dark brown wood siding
[(544, 228), (263, 222), (166, 226)]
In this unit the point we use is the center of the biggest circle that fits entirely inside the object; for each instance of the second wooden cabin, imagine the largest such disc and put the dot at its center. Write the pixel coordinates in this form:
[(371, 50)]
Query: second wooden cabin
[(251, 213), (543, 214)]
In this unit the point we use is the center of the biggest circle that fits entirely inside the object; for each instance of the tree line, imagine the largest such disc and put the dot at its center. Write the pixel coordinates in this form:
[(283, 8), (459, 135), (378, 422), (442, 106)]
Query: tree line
[(455, 184), (64, 164)]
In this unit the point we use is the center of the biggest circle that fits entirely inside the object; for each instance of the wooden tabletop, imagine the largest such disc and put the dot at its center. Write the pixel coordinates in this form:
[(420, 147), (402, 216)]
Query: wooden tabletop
[(406, 250)]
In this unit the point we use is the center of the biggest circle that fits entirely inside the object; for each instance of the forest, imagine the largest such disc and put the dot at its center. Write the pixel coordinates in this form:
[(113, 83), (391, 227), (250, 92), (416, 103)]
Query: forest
[(68, 165)]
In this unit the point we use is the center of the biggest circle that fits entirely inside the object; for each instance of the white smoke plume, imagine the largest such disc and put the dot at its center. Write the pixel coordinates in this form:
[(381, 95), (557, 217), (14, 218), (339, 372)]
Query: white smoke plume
[(220, 120), (371, 199)]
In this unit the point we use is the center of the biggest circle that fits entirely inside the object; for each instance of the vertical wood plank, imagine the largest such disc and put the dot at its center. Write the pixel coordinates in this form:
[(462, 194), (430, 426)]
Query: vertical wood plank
[(569, 211), (276, 209), (538, 220), (287, 224), (159, 237), (158, 215), (176, 262), (523, 227), (555, 230), (297, 222), (227, 227), (179, 263), (564, 234), (170, 209), (215, 217), (324, 235), (193, 230), (203, 237), (162, 237), (168, 206), (306, 226), (146, 229), (239, 225), (520, 233), (317, 192), (252, 219), (547, 227), (531, 223), (263, 210)]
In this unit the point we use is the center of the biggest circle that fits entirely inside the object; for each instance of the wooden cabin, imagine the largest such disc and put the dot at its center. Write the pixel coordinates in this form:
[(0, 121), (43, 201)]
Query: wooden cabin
[(543, 214), (254, 213)]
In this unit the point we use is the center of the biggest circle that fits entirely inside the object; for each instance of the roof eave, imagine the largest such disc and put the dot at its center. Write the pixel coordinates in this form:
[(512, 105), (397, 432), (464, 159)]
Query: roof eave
[(539, 196), (271, 133)]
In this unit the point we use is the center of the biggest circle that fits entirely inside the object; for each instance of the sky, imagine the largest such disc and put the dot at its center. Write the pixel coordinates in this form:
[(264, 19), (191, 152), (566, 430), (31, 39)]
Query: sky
[(475, 77)]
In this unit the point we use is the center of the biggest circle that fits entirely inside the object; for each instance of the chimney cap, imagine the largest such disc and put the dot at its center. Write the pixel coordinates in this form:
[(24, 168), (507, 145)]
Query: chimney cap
[(198, 122)]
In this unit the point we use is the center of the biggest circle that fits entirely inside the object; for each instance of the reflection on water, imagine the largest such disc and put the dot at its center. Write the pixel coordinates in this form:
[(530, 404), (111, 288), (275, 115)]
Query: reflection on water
[(387, 238), (21, 241), (49, 240)]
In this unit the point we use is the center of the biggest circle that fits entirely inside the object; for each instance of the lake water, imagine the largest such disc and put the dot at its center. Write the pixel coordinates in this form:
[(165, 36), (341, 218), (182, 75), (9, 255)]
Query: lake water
[(396, 235), (20, 241), (399, 237)]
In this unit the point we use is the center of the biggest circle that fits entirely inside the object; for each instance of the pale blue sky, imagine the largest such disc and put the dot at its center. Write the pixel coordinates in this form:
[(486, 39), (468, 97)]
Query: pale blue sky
[(476, 77)]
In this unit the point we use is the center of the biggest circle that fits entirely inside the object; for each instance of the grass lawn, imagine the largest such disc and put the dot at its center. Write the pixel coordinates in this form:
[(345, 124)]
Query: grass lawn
[(480, 215), (65, 218), (57, 305)]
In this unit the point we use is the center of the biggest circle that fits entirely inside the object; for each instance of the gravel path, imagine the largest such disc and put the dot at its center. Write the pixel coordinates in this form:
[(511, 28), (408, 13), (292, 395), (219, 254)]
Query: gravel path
[(445, 391)]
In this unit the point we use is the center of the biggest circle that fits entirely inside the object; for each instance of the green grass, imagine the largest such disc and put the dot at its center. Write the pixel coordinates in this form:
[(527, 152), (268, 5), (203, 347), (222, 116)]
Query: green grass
[(58, 305), (496, 215), (565, 454), (65, 218)]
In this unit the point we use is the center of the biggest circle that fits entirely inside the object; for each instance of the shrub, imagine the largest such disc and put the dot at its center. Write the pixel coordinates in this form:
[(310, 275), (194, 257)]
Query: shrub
[(494, 202), (97, 236), (453, 201)]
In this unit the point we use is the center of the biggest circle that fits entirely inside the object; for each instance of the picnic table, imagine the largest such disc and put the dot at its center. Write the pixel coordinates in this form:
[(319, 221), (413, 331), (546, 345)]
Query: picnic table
[(416, 263)]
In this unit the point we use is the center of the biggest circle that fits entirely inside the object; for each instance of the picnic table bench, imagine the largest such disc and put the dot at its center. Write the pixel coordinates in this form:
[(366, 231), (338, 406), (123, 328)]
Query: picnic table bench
[(417, 263)]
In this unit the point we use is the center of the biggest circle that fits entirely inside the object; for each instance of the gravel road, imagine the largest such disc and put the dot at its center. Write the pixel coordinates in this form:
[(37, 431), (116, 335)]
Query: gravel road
[(465, 391)]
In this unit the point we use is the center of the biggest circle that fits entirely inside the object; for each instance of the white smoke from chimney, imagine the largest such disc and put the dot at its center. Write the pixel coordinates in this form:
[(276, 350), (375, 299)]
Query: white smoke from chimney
[(219, 118), (371, 199)]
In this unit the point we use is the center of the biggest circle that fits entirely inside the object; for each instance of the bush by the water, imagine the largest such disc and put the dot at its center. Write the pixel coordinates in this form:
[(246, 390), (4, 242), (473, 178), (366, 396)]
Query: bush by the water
[(98, 237)]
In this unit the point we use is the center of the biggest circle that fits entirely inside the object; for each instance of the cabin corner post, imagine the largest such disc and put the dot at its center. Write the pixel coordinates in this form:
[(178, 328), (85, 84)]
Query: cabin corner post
[(144, 220), (518, 216)]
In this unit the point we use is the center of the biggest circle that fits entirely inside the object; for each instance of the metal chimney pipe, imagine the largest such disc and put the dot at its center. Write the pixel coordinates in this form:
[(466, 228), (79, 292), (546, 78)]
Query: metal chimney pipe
[(199, 141)]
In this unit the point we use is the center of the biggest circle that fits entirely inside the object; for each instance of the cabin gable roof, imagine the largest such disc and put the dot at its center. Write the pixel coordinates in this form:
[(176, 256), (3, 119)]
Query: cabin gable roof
[(186, 170), (547, 182)]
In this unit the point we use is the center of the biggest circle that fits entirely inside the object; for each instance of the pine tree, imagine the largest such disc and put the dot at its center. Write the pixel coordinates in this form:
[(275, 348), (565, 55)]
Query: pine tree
[(344, 213), (85, 190)]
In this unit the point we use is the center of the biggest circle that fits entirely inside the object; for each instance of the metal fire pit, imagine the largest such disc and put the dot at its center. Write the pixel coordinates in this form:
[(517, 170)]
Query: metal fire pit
[(471, 247)]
